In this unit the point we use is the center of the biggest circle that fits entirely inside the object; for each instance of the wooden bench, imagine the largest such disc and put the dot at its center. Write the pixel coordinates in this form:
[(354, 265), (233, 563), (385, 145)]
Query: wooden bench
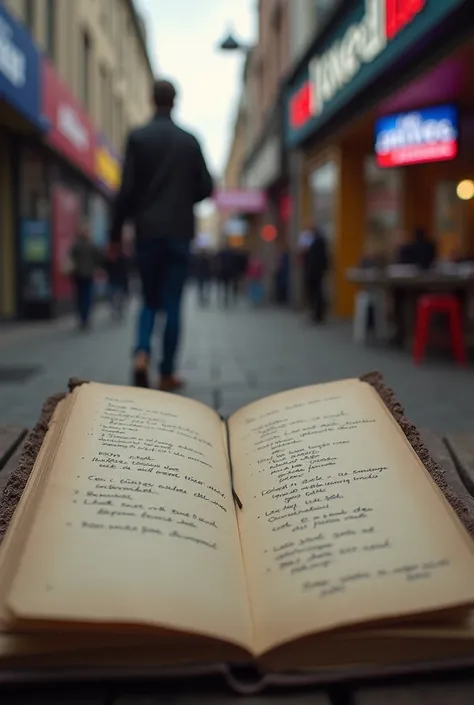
[(455, 454)]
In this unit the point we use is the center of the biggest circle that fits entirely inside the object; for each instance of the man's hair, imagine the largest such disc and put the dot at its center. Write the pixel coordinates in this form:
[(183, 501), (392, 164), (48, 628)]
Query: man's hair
[(164, 94)]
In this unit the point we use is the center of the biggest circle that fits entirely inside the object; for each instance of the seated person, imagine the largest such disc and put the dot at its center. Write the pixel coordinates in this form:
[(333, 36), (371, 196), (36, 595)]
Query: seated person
[(420, 252)]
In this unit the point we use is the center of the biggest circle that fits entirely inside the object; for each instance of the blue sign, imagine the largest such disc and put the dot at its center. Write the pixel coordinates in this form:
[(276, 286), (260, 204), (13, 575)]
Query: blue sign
[(20, 69), (417, 137), (35, 241)]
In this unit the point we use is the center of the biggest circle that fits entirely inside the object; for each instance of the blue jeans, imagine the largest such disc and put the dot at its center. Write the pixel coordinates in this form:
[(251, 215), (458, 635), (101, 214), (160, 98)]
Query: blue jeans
[(163, 268), (84, 295)]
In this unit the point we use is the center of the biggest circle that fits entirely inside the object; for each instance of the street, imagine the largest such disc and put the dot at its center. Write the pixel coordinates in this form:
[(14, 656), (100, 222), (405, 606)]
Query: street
[(228, 359)]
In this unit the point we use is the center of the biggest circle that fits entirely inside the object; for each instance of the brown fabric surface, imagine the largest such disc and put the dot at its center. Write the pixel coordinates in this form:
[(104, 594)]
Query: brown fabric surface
[(14, 488), (411, 432)]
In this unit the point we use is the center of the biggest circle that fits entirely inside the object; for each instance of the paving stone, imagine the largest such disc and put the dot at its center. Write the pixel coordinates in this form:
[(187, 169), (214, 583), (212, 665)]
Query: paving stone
[(232, 358)]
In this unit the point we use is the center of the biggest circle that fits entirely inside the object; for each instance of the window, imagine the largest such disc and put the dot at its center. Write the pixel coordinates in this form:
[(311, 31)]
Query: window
[(85, 69), (105, 101), (30, 15), (322, 9), (51, 28)]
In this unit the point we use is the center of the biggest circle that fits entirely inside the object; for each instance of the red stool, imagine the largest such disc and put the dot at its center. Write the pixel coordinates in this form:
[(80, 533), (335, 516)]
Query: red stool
[(439, 303)]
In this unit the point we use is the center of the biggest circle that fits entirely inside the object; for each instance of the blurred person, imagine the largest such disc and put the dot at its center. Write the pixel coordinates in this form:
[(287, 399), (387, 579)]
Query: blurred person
[(305, 239), (202, 270), (85, 259), (420, 252), (255, 272), (164, 176), (282, 277), (317, 265), (118, 283), (228, 275)]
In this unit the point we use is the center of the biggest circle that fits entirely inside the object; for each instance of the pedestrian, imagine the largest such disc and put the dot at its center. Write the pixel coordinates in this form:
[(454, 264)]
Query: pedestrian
[(228, 276), (164, 176), (317, 265), (118, 283), (85, 258), (203, 277), (255, 279), (419, 252)]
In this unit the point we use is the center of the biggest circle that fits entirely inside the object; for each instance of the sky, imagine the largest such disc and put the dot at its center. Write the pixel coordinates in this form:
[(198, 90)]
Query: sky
[(182, 37)]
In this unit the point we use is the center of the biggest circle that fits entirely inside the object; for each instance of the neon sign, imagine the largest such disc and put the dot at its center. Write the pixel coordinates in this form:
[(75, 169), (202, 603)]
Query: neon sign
[(429, 135), (361, 44)]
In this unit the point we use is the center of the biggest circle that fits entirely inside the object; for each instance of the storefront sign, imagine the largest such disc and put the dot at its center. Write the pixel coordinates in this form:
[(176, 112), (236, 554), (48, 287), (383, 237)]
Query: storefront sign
[(361, 43), (107, 166), (71, 133), (429, 135), (35, 261), (374, 35), (35, 241), (243, 200), (19, 69), (65, 217), (265, 167), (235, 227)]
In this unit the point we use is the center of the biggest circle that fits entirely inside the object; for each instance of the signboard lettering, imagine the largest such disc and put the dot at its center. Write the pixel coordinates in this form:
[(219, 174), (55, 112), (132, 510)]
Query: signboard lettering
[(12, 59), (417, 137), (70, 125), (361, 44)]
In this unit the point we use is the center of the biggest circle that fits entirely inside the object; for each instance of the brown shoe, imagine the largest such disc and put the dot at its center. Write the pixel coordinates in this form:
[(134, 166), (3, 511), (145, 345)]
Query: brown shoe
[(140, 371), (170, 383)]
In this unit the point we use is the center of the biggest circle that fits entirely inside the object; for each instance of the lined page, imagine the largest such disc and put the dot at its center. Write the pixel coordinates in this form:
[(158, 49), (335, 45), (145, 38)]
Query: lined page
[(341, 523), (137, 524)]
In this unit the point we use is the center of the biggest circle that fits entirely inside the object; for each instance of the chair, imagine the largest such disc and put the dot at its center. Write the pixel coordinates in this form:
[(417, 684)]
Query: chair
[(367, 301), (430, 304)]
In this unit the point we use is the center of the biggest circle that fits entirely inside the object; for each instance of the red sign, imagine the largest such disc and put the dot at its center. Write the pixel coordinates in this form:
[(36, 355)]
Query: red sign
[(399, 13), (72, 132), (340, 63), (65, 223), (242, 200)]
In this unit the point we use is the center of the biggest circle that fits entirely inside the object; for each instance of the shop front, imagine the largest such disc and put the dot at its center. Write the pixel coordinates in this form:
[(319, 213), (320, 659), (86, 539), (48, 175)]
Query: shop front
[(20, 121), (71, 165), (379, 110), (266, 170)]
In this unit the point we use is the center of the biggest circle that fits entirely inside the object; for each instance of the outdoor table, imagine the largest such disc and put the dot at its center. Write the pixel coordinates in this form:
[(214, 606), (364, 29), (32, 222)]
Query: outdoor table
[(410, 286), (454, 453)]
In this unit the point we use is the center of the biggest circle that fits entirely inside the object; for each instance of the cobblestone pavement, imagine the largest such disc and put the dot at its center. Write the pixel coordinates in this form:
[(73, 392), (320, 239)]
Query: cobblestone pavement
[(229, 359)]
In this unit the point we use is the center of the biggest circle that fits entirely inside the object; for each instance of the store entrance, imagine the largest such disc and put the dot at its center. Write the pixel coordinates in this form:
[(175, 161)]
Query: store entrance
[(450, 222)]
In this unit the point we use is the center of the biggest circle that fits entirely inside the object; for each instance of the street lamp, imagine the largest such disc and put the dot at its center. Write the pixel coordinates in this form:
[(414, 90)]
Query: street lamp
[(230, 43)]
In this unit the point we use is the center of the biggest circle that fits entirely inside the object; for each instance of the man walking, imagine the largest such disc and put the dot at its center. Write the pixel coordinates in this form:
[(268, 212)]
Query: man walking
[(164, 176)]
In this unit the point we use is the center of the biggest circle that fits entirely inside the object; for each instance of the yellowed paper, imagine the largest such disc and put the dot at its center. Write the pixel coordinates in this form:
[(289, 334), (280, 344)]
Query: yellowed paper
[(341, 523), (137, 522)]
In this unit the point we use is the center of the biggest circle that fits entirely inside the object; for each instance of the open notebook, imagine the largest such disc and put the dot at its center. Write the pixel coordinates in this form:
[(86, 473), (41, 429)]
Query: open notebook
[(302, 533)]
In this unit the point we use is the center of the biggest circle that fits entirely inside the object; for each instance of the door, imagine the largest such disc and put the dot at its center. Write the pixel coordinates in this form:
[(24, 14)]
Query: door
[(450, 221)]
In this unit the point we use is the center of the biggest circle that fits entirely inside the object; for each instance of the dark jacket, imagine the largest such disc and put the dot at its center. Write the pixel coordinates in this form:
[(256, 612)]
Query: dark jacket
[(421, 254), (164, 175), (86, 258), (317, 258)]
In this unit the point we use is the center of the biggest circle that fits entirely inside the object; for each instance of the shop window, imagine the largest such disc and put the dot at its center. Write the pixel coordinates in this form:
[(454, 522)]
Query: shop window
[(324, 184), (383, 211), (34, 187), (85, 69), (30, 15), (450, 222), (51, 28)]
